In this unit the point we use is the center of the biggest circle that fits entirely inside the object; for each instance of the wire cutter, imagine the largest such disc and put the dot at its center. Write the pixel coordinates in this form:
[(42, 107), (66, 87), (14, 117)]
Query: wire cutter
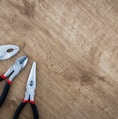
[(29, 94), (13, 71), (8, 51)]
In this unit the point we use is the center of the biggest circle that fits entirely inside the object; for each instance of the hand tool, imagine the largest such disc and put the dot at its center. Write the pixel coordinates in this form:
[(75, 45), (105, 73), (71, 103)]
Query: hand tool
[(29, 94), (8, 51), (13, 71)]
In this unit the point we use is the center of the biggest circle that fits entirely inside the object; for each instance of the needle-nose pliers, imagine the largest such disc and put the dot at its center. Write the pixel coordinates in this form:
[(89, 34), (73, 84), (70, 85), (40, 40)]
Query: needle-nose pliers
[(29, 94)]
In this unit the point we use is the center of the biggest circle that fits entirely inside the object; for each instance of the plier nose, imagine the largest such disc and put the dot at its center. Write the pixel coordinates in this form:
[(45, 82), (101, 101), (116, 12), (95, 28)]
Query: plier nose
[(22, 61), (17, 67)]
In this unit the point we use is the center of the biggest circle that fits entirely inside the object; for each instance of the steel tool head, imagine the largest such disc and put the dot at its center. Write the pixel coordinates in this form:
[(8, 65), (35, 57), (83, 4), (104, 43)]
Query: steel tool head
[(22, 61), (7, 51), (31, 84), (17, 67)]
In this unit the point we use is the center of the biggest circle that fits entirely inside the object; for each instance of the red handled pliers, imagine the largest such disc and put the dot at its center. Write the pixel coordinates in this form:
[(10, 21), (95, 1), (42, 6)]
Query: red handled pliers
[(29, 94), (13, 71)]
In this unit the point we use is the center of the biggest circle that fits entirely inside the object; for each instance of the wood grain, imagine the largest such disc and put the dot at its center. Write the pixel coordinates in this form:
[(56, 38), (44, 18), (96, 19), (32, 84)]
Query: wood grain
[(75, 45)]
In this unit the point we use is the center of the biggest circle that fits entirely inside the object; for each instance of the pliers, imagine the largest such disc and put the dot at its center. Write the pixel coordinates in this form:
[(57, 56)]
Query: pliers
[(29, 94), (13, 71), (8, 51)]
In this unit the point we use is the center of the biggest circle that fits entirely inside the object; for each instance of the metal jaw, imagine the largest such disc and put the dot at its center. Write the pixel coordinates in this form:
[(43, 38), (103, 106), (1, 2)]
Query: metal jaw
[(7, 51), (17, 67), (31, 84)]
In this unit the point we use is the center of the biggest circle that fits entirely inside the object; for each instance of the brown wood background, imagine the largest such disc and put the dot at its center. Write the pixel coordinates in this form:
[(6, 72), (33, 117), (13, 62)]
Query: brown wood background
[(75, 45)]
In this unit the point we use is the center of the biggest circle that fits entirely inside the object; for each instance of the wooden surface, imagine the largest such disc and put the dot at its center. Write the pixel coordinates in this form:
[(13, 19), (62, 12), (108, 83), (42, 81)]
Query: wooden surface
[(75, 45)]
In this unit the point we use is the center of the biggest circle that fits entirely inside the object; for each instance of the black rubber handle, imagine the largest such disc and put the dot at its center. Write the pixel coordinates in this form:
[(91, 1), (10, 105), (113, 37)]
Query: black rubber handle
[(21, 106), (19, 109), (35, 111), (4, 93), (1, 78)]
